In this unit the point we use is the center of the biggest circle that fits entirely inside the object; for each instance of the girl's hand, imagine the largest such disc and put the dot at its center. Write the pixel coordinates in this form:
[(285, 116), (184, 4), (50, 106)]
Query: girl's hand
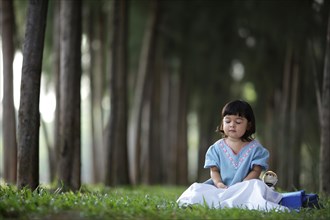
[(221, 185)]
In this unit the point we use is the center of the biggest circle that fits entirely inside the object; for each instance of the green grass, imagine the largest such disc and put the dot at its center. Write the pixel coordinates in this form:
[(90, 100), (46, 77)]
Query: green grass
[(142, 202)]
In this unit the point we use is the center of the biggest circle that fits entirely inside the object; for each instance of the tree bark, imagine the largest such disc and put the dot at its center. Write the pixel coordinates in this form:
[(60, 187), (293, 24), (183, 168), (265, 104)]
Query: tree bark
[(117, 157), (325, 121), (70, 74), (29, 117), (9, 119)]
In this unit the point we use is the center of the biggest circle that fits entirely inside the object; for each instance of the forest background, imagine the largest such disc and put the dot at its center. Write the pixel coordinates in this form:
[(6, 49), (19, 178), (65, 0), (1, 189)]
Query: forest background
[(131, 91)]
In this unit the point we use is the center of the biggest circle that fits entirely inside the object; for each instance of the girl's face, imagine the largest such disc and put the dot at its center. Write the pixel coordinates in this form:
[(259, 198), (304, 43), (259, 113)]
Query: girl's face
[(234, 126)]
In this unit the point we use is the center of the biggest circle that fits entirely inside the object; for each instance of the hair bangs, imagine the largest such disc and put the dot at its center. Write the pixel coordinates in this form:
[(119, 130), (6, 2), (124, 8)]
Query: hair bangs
[(235, 108)]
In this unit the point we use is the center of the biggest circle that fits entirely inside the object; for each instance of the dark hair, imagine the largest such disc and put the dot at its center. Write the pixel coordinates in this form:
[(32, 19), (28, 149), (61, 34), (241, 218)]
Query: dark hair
[(243, 109)]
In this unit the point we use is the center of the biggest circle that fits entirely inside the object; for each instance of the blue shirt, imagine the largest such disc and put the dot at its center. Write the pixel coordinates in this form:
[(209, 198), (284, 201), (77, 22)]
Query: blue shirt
[(235, 167)]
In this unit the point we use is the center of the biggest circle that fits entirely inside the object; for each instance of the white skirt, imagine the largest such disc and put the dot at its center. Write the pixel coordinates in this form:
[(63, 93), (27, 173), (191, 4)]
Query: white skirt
[(251, 194)]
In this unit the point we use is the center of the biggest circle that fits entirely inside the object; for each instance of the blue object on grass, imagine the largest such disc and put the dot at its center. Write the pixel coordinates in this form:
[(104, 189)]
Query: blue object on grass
[(299, 199), (292, 200)]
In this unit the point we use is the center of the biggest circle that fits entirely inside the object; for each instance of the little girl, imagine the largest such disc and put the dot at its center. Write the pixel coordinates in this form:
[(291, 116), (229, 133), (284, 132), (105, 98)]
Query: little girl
[(237, 156), (235, 162)]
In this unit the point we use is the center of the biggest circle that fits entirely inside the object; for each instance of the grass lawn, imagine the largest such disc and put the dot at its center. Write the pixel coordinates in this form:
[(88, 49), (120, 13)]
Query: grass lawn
[(142, 202)]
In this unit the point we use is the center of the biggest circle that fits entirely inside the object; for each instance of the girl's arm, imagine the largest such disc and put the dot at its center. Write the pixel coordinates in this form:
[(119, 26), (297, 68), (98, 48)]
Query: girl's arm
[(215, 175), (254, 173)]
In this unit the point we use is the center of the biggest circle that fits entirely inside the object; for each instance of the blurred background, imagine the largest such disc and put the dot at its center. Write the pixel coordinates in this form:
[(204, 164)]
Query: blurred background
[(185, 60)]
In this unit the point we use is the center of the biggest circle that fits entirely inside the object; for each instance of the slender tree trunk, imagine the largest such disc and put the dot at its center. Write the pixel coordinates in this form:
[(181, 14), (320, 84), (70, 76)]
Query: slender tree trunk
[(182, 142), (282, 104), (117, 159), (270, 138), (29, 117), (9, 119), (173, 132), (155, 157), (150, 135), (140, 87), (70, 74), (99, 82), (54, 152), (146, 126), (91, 22), (96, 42), (294, 141), (165, 169), (325, 121), (172, 127)]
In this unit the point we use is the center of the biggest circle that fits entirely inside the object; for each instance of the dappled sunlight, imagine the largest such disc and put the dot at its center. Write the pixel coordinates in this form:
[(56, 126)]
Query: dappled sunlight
[(17, 71), (249, 92), (1, 95), (1, 74), (237, 70), (47, 95), (85, 87), (193, 141), (47, 102)]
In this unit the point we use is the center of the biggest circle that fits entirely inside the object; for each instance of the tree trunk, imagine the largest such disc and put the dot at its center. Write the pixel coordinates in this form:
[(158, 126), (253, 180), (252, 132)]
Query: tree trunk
[(139, 92), (165, 168), (150, 159), (97, 77), (117, 159), (282, 103), (154, 148), (9, 119), (270, 137), (29, 117), (294, 133), (96, 168), (173, 132), (325, 121), (146, 125), (182, 141), (54, 152), (70, 74)]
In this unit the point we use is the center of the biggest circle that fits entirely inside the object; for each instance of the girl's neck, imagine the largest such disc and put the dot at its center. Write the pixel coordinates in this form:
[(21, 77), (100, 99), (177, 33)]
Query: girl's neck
[(236, 145)]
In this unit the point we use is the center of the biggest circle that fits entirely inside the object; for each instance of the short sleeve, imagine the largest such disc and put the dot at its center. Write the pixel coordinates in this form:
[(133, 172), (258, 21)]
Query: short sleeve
[(211, 157), (261, 157)]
